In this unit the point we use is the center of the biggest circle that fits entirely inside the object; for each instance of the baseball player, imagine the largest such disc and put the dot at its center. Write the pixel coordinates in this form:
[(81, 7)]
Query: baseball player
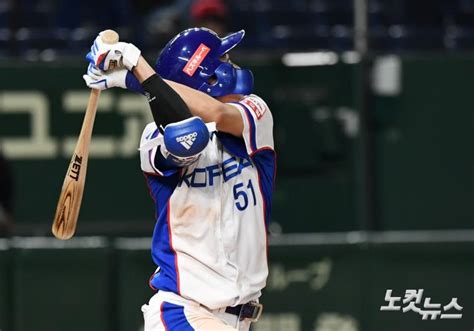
[(209, 163)]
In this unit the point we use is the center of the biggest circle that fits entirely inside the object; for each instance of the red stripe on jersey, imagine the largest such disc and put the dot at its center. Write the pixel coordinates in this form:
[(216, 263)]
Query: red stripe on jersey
[(150, 285), (161, 316), (264, 210), (265, 148)]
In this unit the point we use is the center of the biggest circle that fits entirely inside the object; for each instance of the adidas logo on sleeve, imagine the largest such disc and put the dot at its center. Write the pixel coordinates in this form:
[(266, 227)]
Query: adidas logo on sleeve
[(187, 140)]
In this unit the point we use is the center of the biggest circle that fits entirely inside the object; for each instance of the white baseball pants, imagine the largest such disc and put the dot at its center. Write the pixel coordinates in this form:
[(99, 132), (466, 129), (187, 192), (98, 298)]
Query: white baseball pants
[(168, 311)]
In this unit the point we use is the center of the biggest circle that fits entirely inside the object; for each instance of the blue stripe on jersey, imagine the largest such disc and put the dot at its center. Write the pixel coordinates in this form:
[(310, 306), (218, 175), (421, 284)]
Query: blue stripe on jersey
[(173, 318), (265, 161), (253, 139), (161, 189), (233, 145), (251, 121)]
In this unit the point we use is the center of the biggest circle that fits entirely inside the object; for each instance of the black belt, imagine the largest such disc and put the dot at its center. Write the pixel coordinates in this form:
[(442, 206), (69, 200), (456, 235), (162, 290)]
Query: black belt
[(250, 310)]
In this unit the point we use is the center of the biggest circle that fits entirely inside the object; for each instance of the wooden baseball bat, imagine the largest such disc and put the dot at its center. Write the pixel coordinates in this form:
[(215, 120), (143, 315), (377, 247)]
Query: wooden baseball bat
[(69, 204)]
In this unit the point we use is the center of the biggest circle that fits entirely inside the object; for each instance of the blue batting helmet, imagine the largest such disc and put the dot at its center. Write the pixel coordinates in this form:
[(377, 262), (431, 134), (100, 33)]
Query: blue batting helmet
[(192, 58)]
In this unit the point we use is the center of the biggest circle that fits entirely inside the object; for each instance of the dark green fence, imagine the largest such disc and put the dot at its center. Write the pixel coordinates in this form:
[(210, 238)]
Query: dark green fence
[(316, 282), (134, 269), (61, 287), (5, 299), (424, 139)]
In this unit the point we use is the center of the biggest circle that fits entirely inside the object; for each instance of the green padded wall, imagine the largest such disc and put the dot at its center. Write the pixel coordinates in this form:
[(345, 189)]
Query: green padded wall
[(315, 169), (342, 287), (309, 284), (61, 289), (315, 283), (424, 158), (4, 285), (311, 203), (134, 268)]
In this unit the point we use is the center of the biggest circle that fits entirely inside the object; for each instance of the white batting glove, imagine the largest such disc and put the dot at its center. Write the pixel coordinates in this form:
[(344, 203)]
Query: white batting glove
[(109, 56), (102, 80)]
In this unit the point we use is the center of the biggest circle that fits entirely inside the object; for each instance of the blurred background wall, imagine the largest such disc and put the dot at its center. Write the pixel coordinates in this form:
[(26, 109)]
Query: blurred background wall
[(372, 103)]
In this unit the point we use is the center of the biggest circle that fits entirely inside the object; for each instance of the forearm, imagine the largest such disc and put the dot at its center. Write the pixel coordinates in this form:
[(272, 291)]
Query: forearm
[(165, 104), (142, 71)]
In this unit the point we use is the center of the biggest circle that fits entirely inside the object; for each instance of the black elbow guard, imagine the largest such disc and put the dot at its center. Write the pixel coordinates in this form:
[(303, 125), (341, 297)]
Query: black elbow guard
[(166, 105)]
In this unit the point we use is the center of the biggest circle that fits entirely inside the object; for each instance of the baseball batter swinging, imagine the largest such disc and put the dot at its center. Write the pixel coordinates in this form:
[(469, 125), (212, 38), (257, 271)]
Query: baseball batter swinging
[(211, 184)]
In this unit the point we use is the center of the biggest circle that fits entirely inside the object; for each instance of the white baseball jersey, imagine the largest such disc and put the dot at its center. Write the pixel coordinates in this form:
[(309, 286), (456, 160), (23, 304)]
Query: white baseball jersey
[(210, 238)]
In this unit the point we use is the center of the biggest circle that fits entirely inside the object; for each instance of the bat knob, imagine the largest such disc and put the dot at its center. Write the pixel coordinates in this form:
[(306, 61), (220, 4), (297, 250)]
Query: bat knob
[(109, 36)]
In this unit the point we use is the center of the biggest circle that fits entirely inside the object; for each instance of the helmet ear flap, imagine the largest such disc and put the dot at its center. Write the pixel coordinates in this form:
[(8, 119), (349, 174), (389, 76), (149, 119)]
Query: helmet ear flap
[(244, 82), (228, 80), (212, 79), (221, 82)]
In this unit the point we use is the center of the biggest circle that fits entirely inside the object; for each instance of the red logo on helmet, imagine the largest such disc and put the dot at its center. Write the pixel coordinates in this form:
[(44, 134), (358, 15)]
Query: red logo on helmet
[(195, 60)]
